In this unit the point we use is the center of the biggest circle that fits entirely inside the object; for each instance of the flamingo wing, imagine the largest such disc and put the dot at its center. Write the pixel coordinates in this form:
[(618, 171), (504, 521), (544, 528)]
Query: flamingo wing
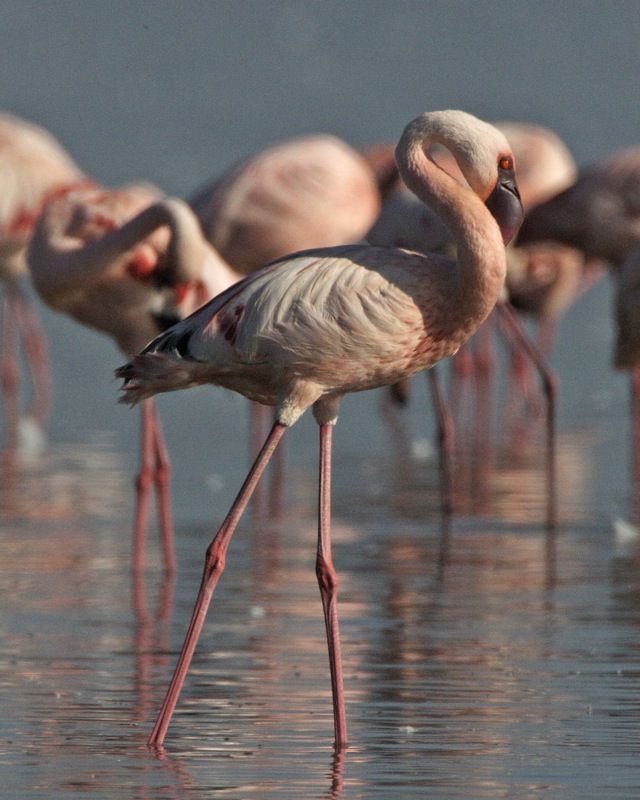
[(347, 318)]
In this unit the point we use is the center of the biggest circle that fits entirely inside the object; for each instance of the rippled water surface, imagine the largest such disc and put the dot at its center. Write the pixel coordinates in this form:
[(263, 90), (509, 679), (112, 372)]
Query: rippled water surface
[(490, 659)]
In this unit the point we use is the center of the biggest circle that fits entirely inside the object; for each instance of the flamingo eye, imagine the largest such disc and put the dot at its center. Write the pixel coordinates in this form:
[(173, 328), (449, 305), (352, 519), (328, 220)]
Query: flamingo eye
[(505, 162)]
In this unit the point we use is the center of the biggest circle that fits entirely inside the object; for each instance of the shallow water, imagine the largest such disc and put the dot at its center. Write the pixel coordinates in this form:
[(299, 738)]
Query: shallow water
[(498, 663), (490, 659)]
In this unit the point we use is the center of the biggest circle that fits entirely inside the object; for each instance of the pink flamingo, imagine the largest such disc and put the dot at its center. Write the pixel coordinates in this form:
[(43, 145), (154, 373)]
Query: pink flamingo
[(34, 169), (307, 329), (129, 263)]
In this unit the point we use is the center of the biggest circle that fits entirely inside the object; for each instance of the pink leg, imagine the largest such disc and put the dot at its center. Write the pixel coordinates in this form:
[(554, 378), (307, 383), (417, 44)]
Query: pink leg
[(213, 567), (37, 358), (446, 443), (522, 391), (328, 583), (143, 484), (262, 417), (486, 365), (515, 330), (276, 492), (521, 367), (162, 479), (10, 370), (483, 456), (154, 469)]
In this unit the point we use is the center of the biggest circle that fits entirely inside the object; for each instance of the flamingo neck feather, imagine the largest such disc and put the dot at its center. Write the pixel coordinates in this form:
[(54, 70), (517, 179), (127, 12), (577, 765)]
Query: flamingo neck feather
[(476, 145)]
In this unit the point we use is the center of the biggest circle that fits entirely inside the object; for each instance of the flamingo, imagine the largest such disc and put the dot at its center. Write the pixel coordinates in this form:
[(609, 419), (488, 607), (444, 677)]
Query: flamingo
[(128, 262), (311, 327), (544, 277), (34, 169), (300, 194), (599, 214)]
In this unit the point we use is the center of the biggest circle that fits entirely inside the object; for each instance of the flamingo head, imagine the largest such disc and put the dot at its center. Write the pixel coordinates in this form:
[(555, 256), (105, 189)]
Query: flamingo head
[(504, 202)]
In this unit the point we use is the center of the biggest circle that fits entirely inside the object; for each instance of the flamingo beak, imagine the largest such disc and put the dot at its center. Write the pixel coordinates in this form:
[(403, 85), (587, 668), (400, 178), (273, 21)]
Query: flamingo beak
[(505, 204)]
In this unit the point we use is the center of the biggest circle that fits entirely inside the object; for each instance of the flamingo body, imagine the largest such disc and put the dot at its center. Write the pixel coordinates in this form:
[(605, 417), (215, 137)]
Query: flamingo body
[(314, 191), (107, 259), (129, 263), (34, 168), (321, 323), (599, 214)]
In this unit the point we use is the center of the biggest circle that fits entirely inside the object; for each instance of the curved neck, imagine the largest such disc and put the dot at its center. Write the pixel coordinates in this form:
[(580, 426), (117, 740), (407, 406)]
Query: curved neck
[(481, 265), (60, 263)]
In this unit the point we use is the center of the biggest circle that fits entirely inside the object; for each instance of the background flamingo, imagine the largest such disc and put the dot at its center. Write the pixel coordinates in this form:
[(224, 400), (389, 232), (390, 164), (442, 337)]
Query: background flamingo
[(307, 329), (627, 354), (600, 216), (313, 191), (34, 168), (129, 263)]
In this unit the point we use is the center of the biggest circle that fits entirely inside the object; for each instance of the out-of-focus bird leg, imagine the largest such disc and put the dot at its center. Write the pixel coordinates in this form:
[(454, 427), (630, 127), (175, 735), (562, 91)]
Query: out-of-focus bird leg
[(37, 358), (550, 383), (162, 480), (10, 371), (446, 441)]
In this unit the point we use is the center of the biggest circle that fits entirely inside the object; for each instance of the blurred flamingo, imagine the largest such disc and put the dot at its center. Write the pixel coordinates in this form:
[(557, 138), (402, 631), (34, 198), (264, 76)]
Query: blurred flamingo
[(627, 354), (34, 169), (300, 194), (307, 329), (130, 263), (599, 214)]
